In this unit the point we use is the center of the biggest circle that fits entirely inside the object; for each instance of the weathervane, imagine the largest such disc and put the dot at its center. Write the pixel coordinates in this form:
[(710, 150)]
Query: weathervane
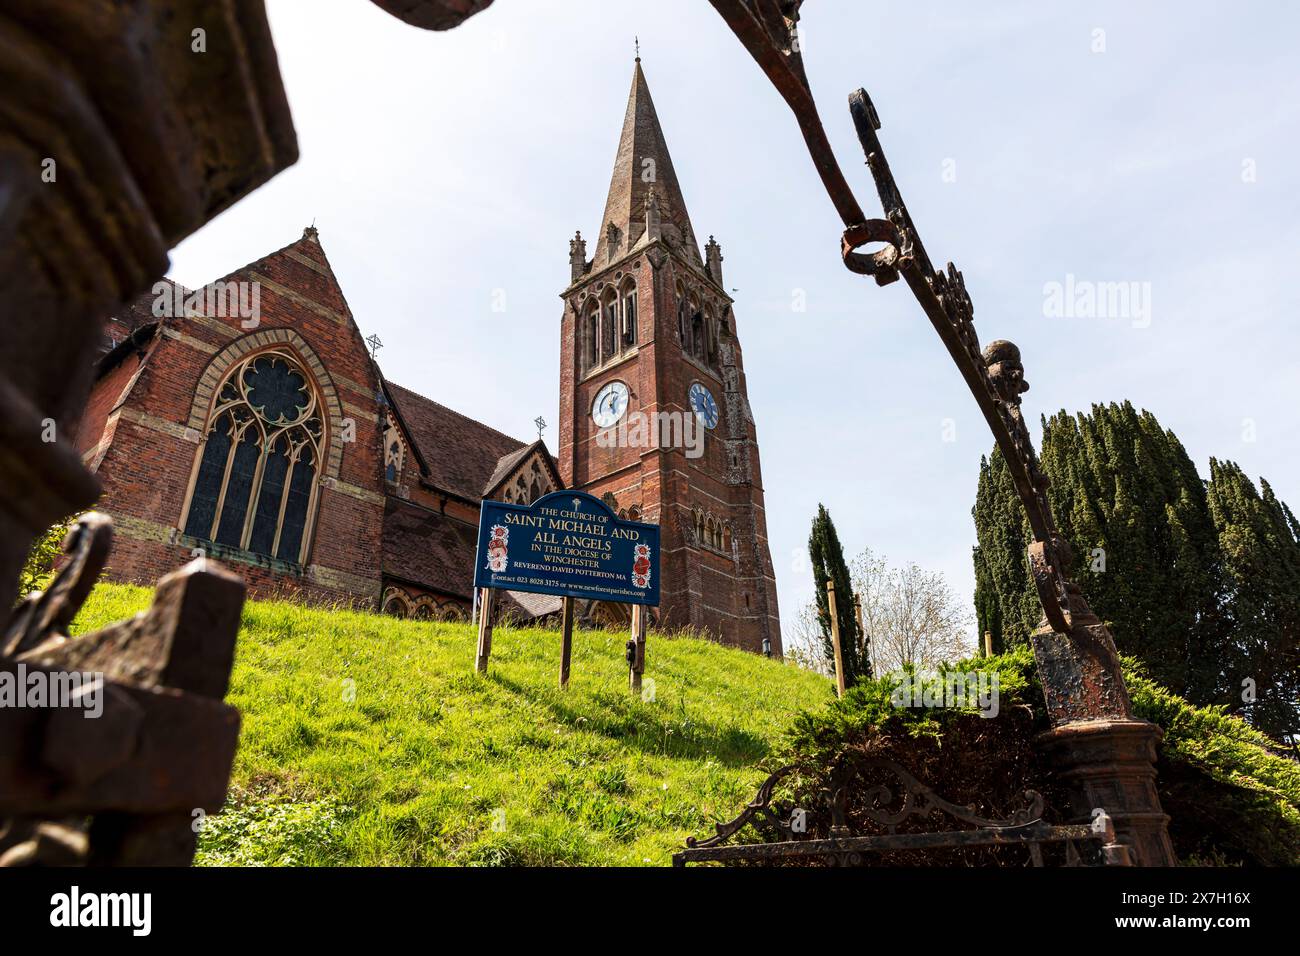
[(375, 345)]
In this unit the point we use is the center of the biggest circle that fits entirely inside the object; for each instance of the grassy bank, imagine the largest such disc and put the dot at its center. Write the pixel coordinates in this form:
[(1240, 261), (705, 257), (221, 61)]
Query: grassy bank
[(367, 740)]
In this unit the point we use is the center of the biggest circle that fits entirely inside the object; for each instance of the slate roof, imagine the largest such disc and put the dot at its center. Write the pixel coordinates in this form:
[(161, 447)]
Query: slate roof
[(641, 141), (425, 547), (461, 455)]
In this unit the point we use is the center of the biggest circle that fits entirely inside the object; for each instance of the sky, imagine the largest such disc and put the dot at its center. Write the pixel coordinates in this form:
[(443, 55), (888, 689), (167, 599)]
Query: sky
[(1040, 148)]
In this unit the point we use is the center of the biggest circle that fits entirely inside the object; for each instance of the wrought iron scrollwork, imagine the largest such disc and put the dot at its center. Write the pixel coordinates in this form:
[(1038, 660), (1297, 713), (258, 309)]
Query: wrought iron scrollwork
[(995, 376), (884, 795)]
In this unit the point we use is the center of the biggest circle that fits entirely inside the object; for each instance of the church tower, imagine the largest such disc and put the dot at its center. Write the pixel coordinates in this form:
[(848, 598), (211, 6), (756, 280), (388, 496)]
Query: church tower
[(654, 415)]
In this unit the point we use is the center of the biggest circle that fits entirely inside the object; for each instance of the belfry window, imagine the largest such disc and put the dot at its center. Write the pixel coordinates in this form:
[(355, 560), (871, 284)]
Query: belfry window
[(255, 488), (609, 328), (591, 337), (629, 315)]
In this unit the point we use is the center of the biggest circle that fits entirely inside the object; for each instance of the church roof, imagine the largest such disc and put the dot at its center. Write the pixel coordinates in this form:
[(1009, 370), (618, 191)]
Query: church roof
[(461, 454), (429, 548), (643, 164)]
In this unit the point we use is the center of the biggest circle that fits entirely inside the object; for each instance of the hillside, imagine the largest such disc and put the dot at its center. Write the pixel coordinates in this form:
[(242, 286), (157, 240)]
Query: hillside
[(429, 764)]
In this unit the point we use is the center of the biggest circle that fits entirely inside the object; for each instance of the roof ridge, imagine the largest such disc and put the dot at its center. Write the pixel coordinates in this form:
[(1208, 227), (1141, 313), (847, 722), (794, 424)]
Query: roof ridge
[(448, 408)]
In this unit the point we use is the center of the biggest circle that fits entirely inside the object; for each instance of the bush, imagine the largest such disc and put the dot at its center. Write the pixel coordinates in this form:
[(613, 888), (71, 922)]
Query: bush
[(1231, 800), (45, 551)]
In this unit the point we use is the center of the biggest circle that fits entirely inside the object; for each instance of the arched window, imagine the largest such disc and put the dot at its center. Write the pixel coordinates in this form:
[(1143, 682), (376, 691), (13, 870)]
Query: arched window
[(709, 351), (609, 327), (697, 335), (255, 488), (629, 314), (393, 449), (591, 336)]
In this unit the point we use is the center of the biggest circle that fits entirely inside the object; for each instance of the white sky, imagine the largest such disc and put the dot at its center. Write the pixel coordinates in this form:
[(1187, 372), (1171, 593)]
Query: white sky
[(441, 168)]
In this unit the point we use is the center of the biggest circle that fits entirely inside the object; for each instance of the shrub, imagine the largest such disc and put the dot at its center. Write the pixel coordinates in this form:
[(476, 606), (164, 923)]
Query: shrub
[(1231, 800)]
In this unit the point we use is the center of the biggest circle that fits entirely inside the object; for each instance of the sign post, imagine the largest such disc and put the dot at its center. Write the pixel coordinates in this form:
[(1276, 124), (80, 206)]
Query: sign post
[(568, 543), (636, 650), (485, 603), (566, 645)]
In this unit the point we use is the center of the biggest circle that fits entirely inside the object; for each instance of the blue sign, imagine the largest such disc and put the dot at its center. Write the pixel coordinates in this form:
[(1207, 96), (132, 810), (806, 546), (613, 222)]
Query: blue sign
[(567, 543)]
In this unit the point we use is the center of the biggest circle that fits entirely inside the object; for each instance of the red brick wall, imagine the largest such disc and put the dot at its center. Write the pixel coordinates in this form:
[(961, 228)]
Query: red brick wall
[(733, 596), (147, 468)]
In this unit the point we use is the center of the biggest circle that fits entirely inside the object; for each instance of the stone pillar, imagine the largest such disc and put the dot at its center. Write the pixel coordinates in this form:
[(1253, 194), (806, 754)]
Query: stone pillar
[(1111, 764), (1105, 755)]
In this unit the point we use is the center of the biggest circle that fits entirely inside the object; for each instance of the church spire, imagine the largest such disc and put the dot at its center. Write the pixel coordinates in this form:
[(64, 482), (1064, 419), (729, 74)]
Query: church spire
[(643, 169)]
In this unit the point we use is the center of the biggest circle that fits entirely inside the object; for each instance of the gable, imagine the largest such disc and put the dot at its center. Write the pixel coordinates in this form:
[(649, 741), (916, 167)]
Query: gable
[(524, 476), (459, 454)]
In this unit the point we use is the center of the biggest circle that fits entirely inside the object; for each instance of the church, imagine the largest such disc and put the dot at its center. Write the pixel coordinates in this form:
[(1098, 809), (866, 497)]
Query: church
[(249, 422)]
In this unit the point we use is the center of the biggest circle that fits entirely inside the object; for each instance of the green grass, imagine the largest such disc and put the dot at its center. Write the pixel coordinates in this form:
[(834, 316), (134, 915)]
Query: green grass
[(422, 762)]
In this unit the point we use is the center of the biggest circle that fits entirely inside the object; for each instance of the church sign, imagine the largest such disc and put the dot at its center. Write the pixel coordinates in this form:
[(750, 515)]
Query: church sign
[(571, 544)]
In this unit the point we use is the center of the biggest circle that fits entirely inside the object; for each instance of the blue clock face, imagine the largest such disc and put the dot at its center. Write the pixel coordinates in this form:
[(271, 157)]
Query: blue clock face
[(610, 404), (703, 405)]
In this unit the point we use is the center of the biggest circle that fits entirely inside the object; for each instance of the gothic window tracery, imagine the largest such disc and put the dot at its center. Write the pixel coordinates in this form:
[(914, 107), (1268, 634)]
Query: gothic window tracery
[(255, 487)]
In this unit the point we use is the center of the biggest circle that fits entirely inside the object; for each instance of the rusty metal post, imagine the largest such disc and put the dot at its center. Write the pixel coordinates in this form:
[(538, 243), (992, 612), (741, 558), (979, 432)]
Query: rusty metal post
[(835, 638), (1096, 742)]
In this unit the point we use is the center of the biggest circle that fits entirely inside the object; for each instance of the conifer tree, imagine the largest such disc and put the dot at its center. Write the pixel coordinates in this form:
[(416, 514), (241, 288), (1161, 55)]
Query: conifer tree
[(1128, 499), (1260, 544), (828, 563)]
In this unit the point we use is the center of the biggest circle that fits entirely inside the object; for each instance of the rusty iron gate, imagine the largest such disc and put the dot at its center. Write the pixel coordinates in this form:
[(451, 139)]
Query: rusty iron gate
[(889, 797)]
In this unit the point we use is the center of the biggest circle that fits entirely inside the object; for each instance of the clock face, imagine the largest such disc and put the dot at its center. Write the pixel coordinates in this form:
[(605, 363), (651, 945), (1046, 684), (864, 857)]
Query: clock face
[(610, 404), (702, 403)]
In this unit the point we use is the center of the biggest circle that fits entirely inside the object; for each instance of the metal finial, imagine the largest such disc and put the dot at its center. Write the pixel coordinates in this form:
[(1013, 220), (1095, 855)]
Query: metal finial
[(375, 345), (638, 48), (540, 422)]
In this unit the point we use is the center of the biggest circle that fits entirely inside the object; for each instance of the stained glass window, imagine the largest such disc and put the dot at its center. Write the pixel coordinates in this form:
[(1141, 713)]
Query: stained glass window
[(256, 484)]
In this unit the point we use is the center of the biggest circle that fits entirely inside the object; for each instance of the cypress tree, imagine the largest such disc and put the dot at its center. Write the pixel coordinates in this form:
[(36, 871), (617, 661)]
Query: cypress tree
[(828, 564), (1260, 545), (1128, 499)]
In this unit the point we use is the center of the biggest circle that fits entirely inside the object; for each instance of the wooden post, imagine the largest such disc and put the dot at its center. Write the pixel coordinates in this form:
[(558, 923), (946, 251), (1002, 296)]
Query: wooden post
[(988, 643), (566, 646), (484, 630), (637, 663), (835, 638)]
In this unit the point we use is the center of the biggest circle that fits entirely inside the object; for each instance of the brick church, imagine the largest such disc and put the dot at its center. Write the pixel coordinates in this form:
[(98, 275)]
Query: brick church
[(269, 439)]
